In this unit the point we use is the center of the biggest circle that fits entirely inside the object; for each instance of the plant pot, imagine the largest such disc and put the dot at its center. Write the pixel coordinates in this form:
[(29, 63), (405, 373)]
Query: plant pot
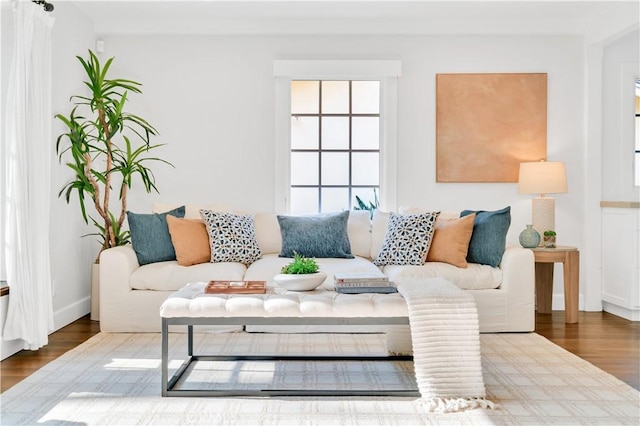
[(550, 242), (300, 282), (95, 292)]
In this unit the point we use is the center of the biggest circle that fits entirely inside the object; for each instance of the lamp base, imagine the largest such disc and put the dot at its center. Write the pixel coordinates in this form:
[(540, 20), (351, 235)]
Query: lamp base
[(544, 215)]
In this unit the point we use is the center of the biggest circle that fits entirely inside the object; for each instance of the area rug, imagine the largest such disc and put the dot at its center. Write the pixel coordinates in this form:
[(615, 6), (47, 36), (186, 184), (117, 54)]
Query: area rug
[(114, 379)]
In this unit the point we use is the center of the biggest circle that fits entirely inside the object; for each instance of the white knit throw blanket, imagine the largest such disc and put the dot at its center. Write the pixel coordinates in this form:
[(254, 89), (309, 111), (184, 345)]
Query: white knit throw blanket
[(446, 344)]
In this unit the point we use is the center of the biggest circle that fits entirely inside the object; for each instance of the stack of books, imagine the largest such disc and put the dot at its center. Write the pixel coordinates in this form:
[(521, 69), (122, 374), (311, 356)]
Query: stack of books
[(357, 282)]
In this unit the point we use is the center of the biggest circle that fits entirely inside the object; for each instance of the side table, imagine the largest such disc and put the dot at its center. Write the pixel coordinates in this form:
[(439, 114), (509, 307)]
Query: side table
[(570, 258)]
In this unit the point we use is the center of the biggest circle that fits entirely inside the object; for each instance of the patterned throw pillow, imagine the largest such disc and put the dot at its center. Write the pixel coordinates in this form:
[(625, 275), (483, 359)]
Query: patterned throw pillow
[(407, 240), (232, 237)]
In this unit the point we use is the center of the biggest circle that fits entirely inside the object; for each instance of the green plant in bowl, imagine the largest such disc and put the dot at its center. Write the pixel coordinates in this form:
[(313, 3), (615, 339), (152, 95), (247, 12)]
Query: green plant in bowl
[(300, 265)]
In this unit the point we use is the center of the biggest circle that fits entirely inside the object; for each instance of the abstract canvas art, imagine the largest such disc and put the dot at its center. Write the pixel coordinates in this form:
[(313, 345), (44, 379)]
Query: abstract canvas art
[(487, 124)]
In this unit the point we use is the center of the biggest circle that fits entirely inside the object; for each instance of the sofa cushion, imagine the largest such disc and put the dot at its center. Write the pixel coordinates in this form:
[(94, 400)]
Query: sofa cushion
[(315, 236), (190, 240), (150, 236), (489, 237), (407, 239), (232, 237), (451, 241), (169, 276)]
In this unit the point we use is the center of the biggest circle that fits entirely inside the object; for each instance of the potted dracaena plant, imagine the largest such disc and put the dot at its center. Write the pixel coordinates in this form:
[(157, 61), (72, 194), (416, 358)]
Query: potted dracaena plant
[(107, 148)]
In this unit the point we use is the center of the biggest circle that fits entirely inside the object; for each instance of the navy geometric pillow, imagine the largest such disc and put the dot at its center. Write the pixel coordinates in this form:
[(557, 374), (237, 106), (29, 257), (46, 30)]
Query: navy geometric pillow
[(407, 240)]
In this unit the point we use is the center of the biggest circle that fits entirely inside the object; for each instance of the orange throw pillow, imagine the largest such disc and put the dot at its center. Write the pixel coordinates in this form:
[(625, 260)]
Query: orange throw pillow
[(190, 240), (451, 241)]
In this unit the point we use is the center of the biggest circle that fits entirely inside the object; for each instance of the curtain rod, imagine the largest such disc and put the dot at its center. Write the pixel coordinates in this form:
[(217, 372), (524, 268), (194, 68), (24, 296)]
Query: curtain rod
[(48, 7)]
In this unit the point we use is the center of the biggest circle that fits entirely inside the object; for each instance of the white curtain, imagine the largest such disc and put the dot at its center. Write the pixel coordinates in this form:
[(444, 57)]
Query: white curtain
[(27, 173)]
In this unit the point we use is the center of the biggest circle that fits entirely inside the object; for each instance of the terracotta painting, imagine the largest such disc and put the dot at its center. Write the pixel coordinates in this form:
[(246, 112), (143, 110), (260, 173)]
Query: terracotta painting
[(487, 124)]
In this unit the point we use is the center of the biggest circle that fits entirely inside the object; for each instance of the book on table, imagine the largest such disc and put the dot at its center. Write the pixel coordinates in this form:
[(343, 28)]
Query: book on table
[(382, 287), (360, 278)]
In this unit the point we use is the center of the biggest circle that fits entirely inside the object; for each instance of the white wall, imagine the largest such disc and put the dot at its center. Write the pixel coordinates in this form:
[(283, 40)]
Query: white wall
[(71, 255), (212, 99)]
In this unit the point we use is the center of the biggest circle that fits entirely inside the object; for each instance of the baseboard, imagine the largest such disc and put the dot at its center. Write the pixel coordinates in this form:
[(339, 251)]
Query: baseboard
[(70, 313), (630, 314)]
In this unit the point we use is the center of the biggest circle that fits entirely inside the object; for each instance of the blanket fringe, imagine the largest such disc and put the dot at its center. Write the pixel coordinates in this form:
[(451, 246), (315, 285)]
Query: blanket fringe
[(451, 405)]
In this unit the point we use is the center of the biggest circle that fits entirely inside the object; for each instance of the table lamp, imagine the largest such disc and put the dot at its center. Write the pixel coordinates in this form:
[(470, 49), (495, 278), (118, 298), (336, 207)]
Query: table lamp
[(543, 177)]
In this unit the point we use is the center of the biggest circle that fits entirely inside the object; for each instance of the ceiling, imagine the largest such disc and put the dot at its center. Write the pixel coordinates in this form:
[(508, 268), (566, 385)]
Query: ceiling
[(594, 19)]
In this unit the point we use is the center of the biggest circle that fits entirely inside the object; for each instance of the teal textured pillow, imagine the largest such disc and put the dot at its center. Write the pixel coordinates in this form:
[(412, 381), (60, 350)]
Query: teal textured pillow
[(489, 238), (315, 236), (150, 236)]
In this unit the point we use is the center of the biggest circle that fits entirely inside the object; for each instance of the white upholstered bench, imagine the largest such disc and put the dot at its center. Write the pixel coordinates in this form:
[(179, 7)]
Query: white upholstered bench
[(191, 307)]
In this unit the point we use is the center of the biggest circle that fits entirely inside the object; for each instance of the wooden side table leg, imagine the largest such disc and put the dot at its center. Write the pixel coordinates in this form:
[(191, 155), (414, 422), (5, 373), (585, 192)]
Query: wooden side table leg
[(544, 287), (571, 269)]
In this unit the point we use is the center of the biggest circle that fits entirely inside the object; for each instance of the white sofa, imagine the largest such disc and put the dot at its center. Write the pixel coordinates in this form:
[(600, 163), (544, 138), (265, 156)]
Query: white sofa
[(130, 294)]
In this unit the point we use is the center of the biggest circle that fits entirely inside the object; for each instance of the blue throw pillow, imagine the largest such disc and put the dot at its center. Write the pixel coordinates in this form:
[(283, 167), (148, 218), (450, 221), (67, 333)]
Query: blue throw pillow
[(315, 236), (150, 236), (489, 238)]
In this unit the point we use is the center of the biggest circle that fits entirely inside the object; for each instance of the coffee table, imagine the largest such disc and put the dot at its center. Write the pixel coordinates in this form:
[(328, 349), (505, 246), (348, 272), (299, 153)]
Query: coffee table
[(190, 307)]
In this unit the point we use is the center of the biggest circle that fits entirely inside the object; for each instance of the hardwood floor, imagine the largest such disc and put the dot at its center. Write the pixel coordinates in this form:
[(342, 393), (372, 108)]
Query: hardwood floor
[(609, 342), (24, 363)]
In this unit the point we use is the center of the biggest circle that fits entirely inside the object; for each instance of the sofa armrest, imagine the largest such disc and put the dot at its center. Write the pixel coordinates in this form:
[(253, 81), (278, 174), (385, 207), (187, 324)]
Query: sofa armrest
[(518, 281), (518, 266), (116, 266)]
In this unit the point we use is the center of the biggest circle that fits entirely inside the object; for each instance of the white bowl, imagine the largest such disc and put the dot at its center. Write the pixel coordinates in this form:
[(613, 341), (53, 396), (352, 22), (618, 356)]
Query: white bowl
[(300, 282)]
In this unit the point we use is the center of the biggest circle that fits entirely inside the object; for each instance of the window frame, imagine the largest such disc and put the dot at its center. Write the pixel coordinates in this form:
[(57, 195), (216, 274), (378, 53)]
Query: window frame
[(386, 72)]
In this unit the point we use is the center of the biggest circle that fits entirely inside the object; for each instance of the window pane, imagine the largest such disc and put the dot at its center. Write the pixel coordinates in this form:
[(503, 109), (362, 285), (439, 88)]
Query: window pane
[(365, 167), (335, 199), (366, 97), (305, 132), (304, 168), (335, 133), (365, 133), (305, 96), (335, 97), (335, 168), (304, 200)]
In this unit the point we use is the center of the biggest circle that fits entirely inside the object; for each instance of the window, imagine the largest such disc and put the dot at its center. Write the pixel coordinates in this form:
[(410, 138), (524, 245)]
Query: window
[(335, 134), (335, 144)]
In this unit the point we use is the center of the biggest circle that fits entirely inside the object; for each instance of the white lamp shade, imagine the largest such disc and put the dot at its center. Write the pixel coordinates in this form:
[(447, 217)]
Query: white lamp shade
[(542, 177)]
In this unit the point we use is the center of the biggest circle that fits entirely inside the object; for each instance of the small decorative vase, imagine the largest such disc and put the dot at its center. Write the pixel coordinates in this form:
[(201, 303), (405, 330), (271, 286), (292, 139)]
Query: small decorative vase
[(529, 237), (550, 242)]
